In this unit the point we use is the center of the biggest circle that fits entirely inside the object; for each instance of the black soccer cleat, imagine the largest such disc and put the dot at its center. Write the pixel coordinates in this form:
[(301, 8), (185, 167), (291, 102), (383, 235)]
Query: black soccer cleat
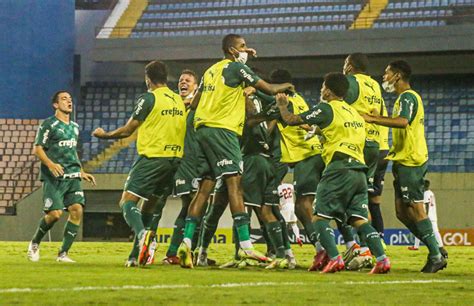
[(443, 252), (434, 265)]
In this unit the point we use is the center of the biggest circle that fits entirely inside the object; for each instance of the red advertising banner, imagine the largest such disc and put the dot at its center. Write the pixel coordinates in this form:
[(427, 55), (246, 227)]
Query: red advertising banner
[(458, 236)]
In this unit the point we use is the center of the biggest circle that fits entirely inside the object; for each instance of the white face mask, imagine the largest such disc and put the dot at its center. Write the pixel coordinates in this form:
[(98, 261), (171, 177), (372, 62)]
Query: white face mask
[(388, 87), (242, 58)]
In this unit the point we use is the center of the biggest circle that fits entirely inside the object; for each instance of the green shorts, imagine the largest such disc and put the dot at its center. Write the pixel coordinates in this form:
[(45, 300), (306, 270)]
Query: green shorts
[(307, 174), (342, 192), (379, 177), (409, 182), (258, 182), (186, 178), (60, 194), (151, 176), (221, 151), (371, 156), (281, 169)]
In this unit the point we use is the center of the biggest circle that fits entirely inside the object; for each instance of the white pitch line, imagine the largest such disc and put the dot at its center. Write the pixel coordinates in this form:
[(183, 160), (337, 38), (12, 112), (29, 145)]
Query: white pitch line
[(223, 285)]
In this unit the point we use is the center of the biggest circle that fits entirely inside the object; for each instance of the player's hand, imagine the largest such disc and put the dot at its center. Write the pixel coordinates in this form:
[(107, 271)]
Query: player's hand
[(281, 100), (290, 88), (88, 177), (99, 133), (368, 118), (248, 91), (56, 169), (252, 52)]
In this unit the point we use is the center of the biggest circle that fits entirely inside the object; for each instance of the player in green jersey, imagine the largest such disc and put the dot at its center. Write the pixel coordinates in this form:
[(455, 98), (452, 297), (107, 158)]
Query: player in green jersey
[(365, 95), (61, 174), (219, 121), (409, 154), (342, 191), (159, 117)]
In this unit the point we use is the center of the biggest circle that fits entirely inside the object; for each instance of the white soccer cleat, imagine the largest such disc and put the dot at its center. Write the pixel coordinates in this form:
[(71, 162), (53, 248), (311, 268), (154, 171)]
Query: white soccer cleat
[(132, 262), (291, 262), (202, 259), (62, 257), (33, 252)]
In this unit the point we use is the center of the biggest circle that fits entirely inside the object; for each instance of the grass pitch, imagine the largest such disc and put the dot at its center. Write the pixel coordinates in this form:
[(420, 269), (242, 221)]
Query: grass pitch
[(99, 277)]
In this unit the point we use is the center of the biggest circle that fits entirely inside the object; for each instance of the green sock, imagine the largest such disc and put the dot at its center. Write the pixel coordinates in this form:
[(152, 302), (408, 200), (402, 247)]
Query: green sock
[(346, 231), (177, 237), (275, 235), (284, 229), (325, 234), (160, 204), (310, 232), (146, 218), (373, 240), (190, 228), (197, 232), (425, 228), (133, 217), (70, 233), (211, 220), (268, 241), (42, 229), (235, 237), (242, 223)]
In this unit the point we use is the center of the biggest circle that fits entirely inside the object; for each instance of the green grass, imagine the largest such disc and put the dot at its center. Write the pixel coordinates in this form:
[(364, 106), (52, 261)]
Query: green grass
[(100, 267)]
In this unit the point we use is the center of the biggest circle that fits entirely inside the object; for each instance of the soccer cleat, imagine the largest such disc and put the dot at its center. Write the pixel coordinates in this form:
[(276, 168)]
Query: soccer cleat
[(201, 259), (145, 244), (151, 258), (363, 260), (278, 263), (231, 264), (171, 260), (185, 257), (381, 267), (351, 253), (413, 248), (320, 260), (253, 254), (62, 257), (334, 265), (211, 262), (434, 265), (131, 262), (33, 252), (291, 262), (443, 252)]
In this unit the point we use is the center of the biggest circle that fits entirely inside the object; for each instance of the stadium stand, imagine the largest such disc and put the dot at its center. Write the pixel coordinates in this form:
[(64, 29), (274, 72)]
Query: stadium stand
[(19, 168), (448, 104), (422, 13)]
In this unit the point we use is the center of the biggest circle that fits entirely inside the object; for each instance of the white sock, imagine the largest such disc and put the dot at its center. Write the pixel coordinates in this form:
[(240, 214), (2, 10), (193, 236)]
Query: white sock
[(289, 252), (188, 242), (296, 230), (247, 244), (202, 250), (417, 243), (350, 244)]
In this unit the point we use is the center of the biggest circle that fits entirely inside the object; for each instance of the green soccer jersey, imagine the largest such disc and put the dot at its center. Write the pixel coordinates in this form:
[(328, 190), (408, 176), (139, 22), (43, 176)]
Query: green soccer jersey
[(255, 139), (190, 141), (59, 141)]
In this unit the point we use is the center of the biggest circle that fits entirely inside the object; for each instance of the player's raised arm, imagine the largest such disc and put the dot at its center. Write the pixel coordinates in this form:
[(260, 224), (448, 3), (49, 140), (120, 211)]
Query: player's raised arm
[(286, 115), (122, 132)]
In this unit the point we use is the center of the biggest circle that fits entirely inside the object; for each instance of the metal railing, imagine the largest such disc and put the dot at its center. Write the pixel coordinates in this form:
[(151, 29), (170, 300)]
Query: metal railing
[(29, 170)]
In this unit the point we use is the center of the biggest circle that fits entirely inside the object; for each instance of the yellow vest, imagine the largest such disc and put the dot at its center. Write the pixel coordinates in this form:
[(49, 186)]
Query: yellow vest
[(370, 98), (162, 132), (409, 144), (293, 146), (345, 134), (384, 146), (220, 106)]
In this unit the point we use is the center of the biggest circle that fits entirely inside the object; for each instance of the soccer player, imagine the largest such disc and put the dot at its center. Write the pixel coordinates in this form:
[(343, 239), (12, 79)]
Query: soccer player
[(160, 118), (430, 205), (185, 179), (287, 207), (342, 191), (365, 96), (409, 154), (61, 174), (301, 154), (219, 121)]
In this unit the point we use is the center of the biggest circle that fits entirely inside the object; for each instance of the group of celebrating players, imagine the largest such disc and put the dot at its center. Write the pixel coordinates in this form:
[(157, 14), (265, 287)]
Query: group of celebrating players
[(232, 141)]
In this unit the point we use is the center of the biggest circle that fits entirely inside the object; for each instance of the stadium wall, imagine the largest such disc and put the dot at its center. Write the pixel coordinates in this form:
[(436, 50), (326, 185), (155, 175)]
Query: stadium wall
[(34, 67), (454, 193)]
